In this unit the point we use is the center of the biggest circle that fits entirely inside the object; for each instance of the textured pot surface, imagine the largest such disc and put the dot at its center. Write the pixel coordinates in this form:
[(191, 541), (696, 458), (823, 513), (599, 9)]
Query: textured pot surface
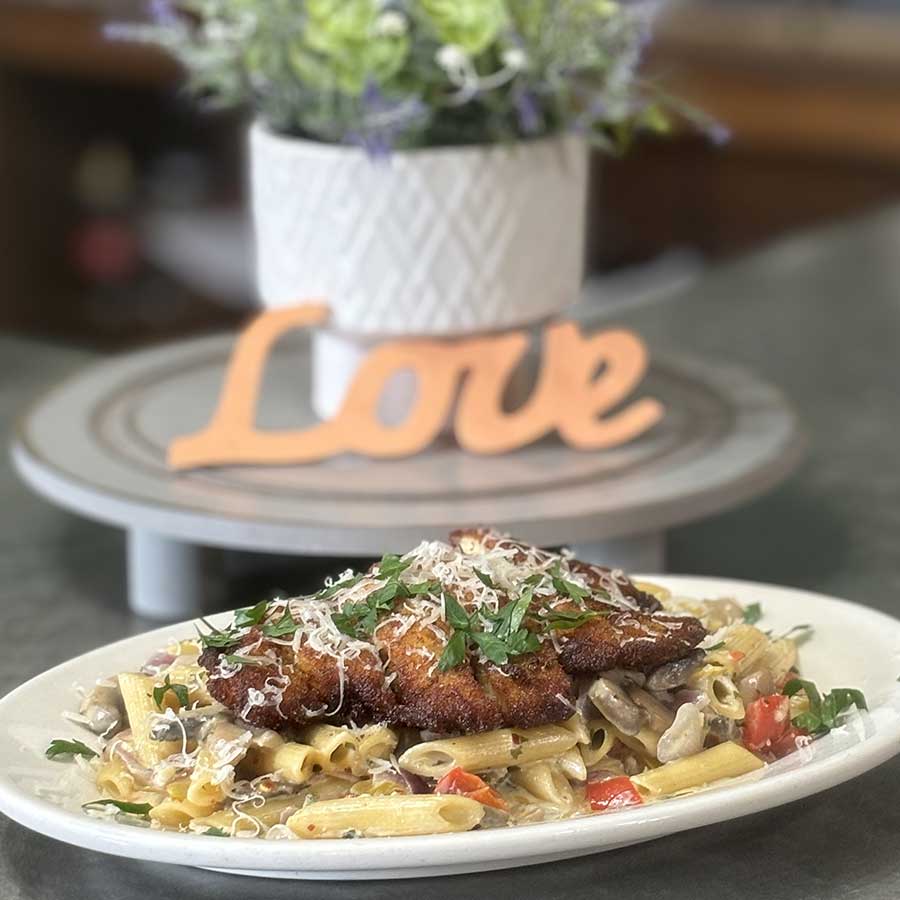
[(438, 241)]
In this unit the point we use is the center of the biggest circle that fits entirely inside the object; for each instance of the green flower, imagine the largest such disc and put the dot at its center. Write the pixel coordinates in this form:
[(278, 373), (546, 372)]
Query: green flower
[(342, 47), (470, 24)]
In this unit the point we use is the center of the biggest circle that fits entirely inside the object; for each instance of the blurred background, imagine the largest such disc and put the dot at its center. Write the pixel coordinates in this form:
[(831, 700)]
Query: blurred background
[(122, 209)]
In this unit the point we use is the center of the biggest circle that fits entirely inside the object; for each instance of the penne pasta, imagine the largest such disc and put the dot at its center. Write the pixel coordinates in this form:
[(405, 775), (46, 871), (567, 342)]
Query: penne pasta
[(727, 760), (546, 782), (746, 645), (779, 658), (273, 812), (492, 750), (398, 814), (294, 762), (114, 780), (137, 696)]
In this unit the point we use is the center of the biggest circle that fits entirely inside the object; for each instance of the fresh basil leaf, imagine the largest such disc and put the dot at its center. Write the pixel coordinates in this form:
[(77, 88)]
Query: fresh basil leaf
[(752, 613), (383, 596), (492, 647), (522, 641), (62, 747), (454, 614), (134, 809), (180, 691), (252, 615), (283, 627), (564, 619), (454, 653), (795, 685), (569, 589), (392, 565), (485, 579), (237, 660), (534, 580), (216, 638), (423, 587)]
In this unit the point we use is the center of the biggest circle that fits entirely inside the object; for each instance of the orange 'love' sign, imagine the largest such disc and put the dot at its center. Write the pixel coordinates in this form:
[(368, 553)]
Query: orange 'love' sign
[(569, 396)]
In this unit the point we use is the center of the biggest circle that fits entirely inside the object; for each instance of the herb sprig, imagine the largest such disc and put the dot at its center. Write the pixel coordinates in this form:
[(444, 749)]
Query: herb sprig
[(752, 613), (823, 712), (62, 747), (506, 637), (358, 620), (133, 809), (180, 691)]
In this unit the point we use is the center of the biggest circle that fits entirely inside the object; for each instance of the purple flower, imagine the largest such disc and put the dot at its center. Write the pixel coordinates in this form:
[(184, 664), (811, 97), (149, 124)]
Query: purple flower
[(528, 111), (383, 119), (163, 12)]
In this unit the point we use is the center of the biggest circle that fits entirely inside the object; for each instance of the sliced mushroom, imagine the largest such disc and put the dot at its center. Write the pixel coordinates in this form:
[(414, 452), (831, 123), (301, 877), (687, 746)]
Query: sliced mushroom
[(617, 707), (756, 684), (102, 709), (722, 729), (188, 723), (684, 737), (676, 673), (659, 717)]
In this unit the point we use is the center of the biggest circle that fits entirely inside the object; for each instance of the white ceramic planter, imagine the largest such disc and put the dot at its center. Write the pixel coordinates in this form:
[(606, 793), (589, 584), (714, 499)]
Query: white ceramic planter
[(438, 242)]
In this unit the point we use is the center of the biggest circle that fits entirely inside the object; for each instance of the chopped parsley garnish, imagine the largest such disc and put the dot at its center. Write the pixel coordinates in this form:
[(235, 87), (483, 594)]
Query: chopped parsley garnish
[(133, 809), (282, 627), (237, 660), (714, 647), (506, 637), (485, 579), (567, 588), (358, 620), (216, 832), (252, 615), (391, 566), (564, 619), (752, 613), (179, 690), (216, 637), (823, 712), (61, 747)]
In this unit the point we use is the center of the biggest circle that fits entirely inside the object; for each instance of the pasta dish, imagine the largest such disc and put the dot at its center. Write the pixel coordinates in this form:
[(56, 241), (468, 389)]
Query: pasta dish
[(476, 683)]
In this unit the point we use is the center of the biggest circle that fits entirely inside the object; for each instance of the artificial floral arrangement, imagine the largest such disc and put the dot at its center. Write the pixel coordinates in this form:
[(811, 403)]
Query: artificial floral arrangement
[(420, 73)]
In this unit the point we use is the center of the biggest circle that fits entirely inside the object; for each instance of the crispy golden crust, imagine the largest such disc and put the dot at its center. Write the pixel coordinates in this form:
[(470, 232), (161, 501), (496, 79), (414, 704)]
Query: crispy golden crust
[(624, 640), (311, 684), (530, 690), (402, 685), (426, 697)]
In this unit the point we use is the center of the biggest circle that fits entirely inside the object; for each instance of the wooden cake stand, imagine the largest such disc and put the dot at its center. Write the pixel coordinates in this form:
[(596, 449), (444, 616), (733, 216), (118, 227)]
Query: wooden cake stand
[(96, 445)]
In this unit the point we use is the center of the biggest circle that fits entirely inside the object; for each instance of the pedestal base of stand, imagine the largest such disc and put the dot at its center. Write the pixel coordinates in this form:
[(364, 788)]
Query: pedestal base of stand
[(641, 553), (166, 578)]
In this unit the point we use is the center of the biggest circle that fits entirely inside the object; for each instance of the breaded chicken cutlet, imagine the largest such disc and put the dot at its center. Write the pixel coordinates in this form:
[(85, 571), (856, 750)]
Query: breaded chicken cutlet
[(460, 637)]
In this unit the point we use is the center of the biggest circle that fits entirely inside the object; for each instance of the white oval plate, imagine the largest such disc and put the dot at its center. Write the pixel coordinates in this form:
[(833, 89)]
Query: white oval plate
[(853, 646)]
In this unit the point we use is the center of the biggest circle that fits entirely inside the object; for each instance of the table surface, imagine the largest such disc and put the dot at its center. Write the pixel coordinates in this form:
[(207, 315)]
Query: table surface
[(818, 315)]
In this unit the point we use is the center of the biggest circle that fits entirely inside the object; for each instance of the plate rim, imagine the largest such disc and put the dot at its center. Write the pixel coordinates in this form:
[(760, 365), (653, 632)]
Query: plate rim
[(415, 856)]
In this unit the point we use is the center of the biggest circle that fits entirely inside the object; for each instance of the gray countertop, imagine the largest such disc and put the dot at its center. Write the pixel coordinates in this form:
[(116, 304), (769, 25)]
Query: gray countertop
[(819, 315)]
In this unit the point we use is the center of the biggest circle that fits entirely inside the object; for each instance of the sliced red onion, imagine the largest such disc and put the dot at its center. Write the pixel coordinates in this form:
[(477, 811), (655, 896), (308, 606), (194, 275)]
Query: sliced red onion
[(158, 661), (414, 783)]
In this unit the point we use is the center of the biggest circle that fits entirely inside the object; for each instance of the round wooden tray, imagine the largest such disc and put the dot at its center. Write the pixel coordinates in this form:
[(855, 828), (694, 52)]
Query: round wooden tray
[(96, 444)]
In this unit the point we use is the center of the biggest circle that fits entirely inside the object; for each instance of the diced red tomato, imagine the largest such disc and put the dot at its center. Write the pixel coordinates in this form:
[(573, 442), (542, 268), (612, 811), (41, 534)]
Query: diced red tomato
[(459, 781), (789, 742), (737, 655), (766, 721), (614, 793)]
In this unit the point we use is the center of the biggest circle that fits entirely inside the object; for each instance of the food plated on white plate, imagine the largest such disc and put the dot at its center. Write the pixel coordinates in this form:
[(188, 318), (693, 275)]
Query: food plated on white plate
[(475, 684)]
